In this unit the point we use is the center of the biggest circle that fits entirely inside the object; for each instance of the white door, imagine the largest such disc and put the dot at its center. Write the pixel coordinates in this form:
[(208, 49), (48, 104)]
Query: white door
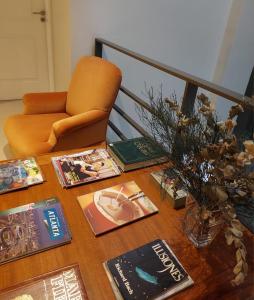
[(23, 49)]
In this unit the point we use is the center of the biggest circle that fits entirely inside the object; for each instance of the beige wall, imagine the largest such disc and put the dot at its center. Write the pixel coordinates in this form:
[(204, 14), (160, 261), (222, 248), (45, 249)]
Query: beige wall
[(61, 43)]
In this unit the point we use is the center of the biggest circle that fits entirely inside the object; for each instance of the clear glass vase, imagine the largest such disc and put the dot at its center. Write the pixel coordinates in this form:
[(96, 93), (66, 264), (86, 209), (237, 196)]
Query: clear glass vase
[(200, 225)]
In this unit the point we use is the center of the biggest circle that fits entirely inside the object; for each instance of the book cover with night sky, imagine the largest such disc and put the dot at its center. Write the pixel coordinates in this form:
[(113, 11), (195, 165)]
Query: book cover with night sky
[(149, 272)]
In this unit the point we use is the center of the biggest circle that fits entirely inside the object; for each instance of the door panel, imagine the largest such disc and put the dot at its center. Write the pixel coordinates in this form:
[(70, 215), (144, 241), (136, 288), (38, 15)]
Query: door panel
[(23, 49)]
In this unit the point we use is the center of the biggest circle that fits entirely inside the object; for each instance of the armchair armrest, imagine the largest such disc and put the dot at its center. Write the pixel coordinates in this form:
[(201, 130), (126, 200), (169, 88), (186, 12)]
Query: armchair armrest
[(44, 103), (78, 121)]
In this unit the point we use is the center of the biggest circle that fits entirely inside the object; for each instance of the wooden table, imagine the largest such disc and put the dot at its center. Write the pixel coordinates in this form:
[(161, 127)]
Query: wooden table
[(210, 268)]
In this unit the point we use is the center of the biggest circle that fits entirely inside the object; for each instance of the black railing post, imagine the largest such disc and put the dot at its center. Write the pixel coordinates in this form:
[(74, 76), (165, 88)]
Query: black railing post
[(245, 120), (189, 97), (98, 48)]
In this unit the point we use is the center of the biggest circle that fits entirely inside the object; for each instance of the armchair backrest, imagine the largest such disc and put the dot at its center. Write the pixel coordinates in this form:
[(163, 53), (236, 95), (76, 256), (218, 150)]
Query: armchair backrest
[(94, 85)]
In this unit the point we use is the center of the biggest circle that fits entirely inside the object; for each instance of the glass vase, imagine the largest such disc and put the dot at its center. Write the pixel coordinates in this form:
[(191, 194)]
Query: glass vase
[(201, 225)]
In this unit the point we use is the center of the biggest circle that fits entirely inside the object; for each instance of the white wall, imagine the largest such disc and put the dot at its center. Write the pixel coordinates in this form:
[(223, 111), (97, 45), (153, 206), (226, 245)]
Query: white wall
[(183, 34), (240, 59), (61, 43)]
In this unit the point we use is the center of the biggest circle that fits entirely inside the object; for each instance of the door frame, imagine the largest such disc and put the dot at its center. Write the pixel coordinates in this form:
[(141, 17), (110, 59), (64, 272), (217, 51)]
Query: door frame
[(49, 44)]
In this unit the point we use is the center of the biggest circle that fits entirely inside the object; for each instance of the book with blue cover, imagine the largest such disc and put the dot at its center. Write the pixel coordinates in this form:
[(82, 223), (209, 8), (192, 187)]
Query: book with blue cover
[(32, 228), (151, 271)]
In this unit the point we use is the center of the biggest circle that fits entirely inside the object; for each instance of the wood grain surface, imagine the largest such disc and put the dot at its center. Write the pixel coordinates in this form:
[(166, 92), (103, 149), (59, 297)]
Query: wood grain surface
[(210, 268)]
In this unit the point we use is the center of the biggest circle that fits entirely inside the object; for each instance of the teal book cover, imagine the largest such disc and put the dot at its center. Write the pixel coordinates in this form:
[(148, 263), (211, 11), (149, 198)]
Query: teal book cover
[(136, 150)]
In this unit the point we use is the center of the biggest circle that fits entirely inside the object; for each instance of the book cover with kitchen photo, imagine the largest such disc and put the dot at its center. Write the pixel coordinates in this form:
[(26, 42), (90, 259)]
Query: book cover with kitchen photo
[(32, 228), (116, 206), (65, 283), (86, 166)]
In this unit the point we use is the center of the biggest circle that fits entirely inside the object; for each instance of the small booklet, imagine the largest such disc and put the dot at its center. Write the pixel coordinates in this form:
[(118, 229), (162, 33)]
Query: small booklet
[(20, 173), (171, 182), (65, 283), (32, 228), (113, 207), (151, 271), (87, 166)]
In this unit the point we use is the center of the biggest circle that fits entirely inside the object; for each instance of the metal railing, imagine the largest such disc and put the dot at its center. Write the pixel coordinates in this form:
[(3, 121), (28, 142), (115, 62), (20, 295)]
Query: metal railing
[(192, 83)]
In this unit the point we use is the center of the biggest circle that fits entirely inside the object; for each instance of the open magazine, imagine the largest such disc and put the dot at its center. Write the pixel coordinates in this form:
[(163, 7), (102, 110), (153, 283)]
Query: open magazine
[(87, 166)]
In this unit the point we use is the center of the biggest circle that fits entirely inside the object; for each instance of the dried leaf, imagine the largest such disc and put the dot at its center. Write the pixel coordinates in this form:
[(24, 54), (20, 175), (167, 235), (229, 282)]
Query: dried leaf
[(204, 99), (237, 242), (241, 193), (235, 110), (238, 267), (222, 195), (237, 224), (172, 104), (230, 124), (236, 232), (243, 253), (229, 238), (205, 214), (249, 146), (241, 159), (228, 171), (238, 255), (238, 279), (245, 268)]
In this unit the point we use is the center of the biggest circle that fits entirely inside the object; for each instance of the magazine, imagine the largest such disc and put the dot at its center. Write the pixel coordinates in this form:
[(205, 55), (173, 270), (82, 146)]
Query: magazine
[(20, 173), (65, 283), (113, 207), (32, 228), (87, 166), (12, 176), (33, 171), (151, 271)]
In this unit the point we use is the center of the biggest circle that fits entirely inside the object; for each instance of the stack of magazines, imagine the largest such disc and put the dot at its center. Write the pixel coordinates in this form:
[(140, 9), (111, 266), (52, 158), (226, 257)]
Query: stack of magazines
[(19, 173), (87, 166)]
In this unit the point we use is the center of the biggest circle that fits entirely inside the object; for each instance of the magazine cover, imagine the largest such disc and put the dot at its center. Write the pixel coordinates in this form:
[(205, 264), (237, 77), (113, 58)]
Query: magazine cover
[(65, 283), (33, 171), (115, 206), (151, 271), (12, 176), (84, 167), (31, 228)]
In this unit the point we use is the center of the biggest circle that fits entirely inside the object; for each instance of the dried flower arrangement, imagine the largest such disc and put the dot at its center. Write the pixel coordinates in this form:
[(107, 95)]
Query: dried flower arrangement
[(217, 167)]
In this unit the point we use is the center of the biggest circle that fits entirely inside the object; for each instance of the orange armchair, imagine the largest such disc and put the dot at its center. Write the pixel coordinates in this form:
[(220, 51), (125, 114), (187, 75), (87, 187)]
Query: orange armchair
[(67, 120)]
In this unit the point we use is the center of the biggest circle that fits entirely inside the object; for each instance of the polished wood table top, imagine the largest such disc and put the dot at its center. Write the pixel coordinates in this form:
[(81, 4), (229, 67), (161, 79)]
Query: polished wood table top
[(210, 267)]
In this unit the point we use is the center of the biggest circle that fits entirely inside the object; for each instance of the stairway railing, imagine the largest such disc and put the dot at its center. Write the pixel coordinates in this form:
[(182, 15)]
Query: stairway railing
[(192, 83)]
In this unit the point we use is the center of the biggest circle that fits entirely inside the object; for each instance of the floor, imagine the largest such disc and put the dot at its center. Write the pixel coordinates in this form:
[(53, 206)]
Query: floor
[(7, 108)]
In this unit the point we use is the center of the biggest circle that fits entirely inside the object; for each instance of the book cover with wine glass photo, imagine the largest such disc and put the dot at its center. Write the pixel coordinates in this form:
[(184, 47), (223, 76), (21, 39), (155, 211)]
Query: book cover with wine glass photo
[(116, 206)]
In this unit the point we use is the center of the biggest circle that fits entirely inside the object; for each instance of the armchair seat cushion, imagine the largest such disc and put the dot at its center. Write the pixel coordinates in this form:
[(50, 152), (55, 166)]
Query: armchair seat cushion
[(29, 134)]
